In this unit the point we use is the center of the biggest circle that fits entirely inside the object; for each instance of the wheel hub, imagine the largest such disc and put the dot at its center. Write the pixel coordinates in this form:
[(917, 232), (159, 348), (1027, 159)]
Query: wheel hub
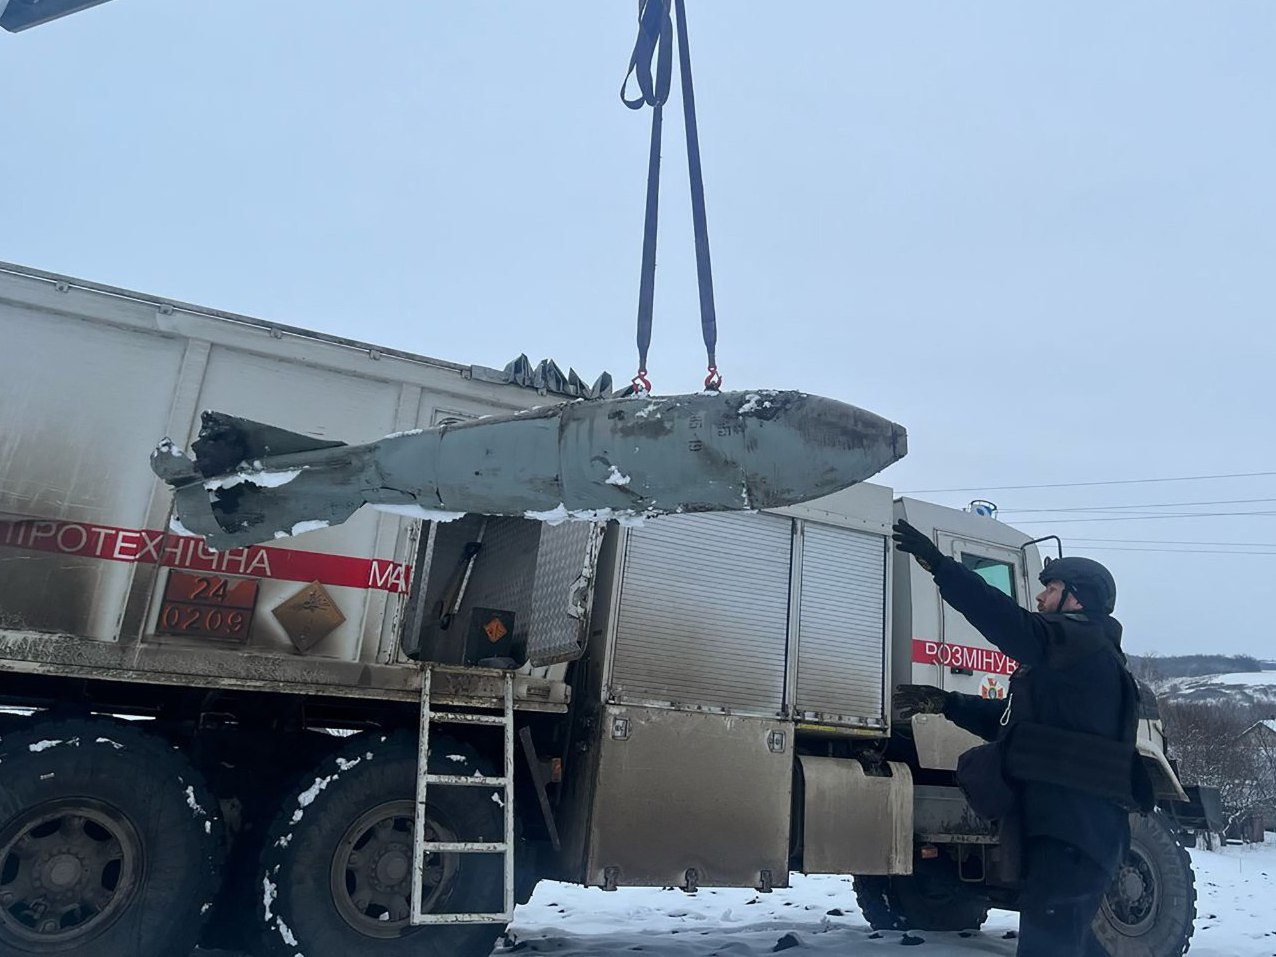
[(1131, 881), (1132, 900), (390, 870), (392, 867), (61, 872), (67, 870), (371, 874)]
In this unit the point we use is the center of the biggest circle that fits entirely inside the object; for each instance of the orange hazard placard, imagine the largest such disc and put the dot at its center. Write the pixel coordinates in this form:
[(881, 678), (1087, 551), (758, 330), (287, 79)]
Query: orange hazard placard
[(211, 590), (211, 606)]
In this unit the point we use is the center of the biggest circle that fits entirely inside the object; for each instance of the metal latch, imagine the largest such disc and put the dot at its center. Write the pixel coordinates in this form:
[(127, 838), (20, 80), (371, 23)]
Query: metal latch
[(692, 881)]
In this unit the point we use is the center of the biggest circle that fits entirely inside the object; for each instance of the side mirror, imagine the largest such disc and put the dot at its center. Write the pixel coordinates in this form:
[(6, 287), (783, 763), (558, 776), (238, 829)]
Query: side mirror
[(1048, 538)]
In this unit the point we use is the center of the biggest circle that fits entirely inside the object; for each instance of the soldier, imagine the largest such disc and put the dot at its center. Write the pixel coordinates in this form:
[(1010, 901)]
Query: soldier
[(1061, 761)]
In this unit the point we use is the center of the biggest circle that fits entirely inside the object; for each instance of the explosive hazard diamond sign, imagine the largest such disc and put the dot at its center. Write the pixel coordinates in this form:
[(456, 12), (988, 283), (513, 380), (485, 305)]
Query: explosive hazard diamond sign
[(309, 616), (495, 630)]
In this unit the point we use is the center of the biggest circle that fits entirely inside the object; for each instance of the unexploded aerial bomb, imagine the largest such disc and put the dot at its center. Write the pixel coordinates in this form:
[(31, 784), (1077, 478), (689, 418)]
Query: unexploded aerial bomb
[(636, 456)]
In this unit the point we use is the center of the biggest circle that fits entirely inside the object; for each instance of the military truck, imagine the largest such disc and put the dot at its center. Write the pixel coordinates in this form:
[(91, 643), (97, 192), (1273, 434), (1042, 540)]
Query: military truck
[(373, 739)]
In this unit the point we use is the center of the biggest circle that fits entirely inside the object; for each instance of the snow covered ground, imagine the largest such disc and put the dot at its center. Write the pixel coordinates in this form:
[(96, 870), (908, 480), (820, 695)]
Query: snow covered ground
[(1236, 917), (1247, 688)]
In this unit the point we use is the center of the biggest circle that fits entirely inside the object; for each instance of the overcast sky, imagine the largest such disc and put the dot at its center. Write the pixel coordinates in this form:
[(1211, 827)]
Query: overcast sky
[(1040, 236)]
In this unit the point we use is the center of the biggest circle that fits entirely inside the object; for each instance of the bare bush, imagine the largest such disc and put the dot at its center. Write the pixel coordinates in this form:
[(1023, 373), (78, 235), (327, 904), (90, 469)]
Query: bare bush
[(1228, 747)]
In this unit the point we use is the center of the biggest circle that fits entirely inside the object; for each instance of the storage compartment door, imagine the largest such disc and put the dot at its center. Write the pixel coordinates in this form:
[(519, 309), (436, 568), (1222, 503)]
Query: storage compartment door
[(703, 611), (842, 626), (684, 797), (541, 575)]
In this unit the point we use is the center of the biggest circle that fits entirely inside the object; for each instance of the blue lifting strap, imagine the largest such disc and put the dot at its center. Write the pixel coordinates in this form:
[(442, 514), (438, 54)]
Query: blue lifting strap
[(655, 39)]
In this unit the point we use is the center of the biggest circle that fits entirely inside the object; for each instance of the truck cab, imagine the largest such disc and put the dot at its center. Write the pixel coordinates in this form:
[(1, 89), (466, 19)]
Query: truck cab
[(962, 863), (935, 645)]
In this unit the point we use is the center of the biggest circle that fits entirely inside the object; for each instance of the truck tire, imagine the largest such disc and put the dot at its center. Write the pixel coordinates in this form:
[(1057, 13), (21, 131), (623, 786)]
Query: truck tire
[(336, 869), (266, 767), (1150, 908), (110, 843), (931, 898)]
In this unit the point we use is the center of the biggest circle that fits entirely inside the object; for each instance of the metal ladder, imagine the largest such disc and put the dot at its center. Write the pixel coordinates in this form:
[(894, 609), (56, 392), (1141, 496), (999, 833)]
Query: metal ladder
[(421, 848)]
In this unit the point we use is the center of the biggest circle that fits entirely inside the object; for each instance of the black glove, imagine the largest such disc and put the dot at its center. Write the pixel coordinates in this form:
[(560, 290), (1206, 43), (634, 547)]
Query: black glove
[(910, 540), (917, 699)]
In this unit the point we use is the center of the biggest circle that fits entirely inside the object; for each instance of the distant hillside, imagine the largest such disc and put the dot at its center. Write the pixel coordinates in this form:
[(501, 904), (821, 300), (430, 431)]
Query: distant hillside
[(1239, 680), (1158, 668), (1250, 689)]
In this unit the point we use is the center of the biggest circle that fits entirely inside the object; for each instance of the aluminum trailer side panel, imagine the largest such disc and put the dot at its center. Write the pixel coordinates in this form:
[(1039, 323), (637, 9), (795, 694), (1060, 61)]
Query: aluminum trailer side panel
[(684, 799), (90, 379), (782, 613)]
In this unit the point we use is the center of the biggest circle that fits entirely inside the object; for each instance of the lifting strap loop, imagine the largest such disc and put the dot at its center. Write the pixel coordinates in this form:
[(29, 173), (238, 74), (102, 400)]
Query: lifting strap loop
[(699, 220), (655, 35), (655, 39), (647, 275)]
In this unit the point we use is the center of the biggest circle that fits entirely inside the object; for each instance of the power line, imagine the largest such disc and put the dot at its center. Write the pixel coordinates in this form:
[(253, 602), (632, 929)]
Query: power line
[(1138, 518), (1163, 541), (1113, 508), (1172, 551), (1144, 481)]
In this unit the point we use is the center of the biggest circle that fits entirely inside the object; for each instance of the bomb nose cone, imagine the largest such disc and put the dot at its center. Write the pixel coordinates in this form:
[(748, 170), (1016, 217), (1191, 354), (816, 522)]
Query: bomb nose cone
[(829, 423), (817, 446), (723, 452)]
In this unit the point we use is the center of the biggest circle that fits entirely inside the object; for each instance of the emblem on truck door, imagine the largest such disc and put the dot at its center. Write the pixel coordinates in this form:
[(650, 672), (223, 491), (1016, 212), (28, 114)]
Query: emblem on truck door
[(991, 688)]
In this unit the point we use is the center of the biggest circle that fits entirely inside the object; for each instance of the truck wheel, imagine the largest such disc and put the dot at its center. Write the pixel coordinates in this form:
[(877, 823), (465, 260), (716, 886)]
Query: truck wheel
[(931, 898), (109, 843), (337, 867), (263, 773), (1149, 910)]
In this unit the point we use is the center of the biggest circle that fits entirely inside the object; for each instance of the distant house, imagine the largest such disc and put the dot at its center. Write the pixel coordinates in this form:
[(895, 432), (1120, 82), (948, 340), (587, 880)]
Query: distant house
[(1259, 740), (1261, 735)]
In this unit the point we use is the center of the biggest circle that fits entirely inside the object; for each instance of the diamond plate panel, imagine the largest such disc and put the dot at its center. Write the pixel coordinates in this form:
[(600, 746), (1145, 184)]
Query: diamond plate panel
[(542, 573), (505, 571), (560, 598)]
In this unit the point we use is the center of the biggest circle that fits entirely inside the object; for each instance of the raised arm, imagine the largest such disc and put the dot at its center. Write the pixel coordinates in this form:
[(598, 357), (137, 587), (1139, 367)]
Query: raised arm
[(1021, 634)]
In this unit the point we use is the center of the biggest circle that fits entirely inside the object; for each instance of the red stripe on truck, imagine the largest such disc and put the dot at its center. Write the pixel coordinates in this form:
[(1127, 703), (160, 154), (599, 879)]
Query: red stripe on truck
[(190, 552), (963, 656)]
